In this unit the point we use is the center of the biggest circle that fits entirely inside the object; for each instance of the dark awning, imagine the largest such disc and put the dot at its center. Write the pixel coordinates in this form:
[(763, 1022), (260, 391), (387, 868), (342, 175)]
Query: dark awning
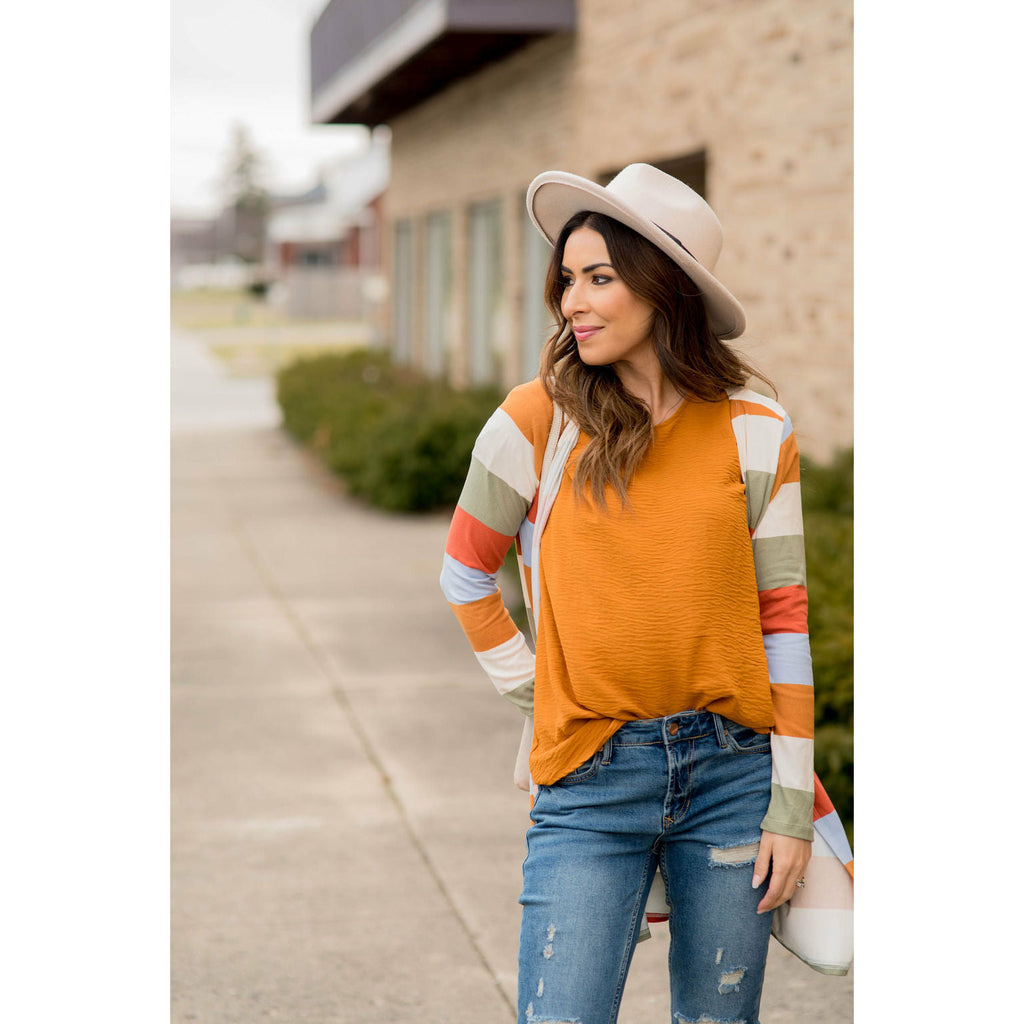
[(373, 59)]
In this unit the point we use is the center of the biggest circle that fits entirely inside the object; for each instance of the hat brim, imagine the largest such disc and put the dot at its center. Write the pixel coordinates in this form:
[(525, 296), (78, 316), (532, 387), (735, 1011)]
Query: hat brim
[(555, 196)]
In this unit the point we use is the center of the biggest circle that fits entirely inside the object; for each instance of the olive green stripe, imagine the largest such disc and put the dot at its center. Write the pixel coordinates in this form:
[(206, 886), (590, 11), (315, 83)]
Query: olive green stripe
[(759, 492), (790, 812), (779, 562), (495, 503), (522, 697)]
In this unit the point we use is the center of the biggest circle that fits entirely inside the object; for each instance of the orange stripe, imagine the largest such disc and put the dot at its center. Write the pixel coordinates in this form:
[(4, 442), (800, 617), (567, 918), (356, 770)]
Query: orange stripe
[(822, 803), (486, 623), (788, 468), (789, 461), (784, 609), (475, 545), (744, 408), (794, 709)]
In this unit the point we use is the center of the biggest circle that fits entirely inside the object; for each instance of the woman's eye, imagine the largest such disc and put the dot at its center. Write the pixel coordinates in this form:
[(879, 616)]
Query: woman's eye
[(566, 282), (600, 279)]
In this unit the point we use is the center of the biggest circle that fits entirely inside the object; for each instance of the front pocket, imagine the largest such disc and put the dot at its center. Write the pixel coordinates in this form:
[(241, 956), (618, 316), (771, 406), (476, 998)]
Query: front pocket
[(745, 740), (585, 771)]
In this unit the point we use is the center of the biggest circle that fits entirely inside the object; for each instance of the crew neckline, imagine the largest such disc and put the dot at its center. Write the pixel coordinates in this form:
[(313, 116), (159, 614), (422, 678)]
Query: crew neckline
[(672, 415)]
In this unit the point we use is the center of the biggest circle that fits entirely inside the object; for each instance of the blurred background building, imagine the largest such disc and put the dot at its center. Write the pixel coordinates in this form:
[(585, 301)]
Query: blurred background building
[(749, 102), (317, 251), (323, 247)]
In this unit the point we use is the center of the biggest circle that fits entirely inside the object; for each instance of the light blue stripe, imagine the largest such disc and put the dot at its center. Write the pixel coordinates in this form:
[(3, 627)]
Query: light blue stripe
[(463, 585), (830, 828), (789, 658), (526, 539), (787, 428)]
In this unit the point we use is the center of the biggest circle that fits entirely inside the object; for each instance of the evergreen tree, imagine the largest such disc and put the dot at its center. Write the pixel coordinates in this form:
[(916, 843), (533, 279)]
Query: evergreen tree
[(246, 197)]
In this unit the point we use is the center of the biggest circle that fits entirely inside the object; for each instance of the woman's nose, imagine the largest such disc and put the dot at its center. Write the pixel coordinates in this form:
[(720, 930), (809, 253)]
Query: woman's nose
[(573, 301)]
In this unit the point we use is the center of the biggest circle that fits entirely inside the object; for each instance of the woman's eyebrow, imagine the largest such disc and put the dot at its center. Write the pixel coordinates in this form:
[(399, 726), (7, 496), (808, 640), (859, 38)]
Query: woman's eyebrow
[(587, 270)]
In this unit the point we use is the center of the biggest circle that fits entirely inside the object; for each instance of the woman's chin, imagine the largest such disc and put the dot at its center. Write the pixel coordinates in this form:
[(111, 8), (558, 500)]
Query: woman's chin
[(592, 358)]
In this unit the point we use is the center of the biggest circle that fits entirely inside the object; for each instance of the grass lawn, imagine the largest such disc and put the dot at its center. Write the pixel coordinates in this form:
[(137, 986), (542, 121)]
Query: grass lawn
[(264, 358), (209, 308), (254, 338)]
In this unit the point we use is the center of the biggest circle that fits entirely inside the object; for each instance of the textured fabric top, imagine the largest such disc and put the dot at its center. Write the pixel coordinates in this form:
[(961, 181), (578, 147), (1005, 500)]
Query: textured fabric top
[(653, 609)]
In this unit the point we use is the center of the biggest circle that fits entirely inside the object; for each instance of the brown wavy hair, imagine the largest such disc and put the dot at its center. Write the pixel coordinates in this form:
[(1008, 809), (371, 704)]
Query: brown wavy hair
[(698, 364)]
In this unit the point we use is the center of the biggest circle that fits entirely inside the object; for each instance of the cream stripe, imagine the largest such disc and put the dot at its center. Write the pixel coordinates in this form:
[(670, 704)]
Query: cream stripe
[(756, 398), (792, 762), (821, 936), (784, 517), (757, 438), (503, 450), (509, 665)]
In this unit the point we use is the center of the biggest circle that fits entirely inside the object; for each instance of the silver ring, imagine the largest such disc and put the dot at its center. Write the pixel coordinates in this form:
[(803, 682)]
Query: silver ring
[(800, 883)]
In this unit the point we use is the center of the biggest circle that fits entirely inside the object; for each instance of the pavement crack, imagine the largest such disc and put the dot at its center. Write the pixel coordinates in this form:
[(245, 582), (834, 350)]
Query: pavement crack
[(341, 698)]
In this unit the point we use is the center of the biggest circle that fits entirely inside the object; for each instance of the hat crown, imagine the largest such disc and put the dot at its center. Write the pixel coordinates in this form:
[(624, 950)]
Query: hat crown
[(674, 207)]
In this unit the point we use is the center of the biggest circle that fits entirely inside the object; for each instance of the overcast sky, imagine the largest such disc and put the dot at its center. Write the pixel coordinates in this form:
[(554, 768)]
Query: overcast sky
[(244, 61)]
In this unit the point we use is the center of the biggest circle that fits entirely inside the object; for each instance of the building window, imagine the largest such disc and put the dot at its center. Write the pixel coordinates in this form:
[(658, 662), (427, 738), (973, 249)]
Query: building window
[(536, 321), (402, 292), (690, 169), (486, 294), (437, 327), (316, 258)]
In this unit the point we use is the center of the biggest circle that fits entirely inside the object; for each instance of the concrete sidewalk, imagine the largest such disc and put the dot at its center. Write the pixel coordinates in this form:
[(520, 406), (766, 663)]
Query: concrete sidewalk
[(346, 841)]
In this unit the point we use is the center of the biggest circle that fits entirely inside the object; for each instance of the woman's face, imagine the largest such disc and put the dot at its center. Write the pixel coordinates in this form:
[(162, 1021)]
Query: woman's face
[(611, 323)]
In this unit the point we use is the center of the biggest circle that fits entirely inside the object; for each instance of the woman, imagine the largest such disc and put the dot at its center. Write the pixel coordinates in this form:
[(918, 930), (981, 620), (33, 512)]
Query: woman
[(671, 688)]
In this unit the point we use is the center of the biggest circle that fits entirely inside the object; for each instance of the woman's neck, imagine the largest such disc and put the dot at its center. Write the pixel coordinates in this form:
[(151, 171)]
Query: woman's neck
[(646, 381)]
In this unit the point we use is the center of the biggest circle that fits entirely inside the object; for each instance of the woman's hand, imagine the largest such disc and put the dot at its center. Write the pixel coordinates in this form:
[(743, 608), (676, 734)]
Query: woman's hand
[(788, 858)]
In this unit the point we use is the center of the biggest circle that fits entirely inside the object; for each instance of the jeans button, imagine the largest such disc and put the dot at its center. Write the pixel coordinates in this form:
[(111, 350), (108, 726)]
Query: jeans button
[(673, 728)]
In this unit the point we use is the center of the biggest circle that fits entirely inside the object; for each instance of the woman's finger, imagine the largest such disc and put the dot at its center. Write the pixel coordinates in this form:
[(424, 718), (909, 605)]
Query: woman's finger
[(789, 859)]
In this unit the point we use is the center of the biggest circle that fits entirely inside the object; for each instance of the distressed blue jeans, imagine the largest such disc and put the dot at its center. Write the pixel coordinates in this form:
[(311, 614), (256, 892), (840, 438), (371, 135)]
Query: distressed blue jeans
[(686, 793)]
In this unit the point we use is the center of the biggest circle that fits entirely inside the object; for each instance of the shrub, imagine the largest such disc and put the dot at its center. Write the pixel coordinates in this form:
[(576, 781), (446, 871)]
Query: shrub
[(828, 536), (399, 440), (416, 454), (330, 394)]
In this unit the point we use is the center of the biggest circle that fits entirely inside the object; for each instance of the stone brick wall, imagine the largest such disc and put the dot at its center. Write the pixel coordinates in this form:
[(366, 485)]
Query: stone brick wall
[(763, 87)]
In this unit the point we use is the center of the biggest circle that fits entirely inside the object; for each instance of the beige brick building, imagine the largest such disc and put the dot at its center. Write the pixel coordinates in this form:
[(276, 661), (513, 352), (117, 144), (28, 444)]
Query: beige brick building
[(749, 101)]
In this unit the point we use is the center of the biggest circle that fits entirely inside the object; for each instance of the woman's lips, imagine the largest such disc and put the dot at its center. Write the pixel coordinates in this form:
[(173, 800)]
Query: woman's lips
[(582, 333)]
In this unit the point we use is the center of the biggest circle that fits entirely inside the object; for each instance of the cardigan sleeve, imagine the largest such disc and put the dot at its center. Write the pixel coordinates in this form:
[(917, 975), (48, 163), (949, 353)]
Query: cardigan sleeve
[(771, 466), (495, 506)]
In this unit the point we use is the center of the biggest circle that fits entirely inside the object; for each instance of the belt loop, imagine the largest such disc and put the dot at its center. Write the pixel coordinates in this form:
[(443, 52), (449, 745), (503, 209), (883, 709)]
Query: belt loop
[(606, 754), (719, 729)]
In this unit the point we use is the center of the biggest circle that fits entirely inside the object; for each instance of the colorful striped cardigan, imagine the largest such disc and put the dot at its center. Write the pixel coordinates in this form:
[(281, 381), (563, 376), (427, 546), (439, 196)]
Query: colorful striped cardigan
[(500, 504)]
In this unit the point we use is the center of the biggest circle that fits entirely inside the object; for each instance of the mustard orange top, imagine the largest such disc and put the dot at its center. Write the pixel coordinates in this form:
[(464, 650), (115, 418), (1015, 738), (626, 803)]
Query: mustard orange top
[(653, 609)]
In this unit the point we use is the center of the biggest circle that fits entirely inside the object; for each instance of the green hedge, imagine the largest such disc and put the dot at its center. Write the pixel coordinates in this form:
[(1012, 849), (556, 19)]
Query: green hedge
[(403, 443), (828, 537), (397, 439)]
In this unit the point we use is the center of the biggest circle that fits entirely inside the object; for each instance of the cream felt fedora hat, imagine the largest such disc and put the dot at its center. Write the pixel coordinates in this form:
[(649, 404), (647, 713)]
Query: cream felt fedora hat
[(662, 209)]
